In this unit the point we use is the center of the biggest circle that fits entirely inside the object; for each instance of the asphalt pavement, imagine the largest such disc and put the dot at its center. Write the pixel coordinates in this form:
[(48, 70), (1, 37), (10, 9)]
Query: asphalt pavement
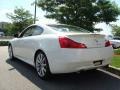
[(17, 75)]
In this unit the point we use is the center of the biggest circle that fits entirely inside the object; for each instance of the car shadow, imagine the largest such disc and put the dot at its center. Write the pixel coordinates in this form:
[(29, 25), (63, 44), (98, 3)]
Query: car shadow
[(87, 80)]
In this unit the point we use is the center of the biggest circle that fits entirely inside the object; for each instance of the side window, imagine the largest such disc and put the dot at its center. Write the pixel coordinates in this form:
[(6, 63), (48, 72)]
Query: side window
[(28, 32), (37, 31), (32, 31)]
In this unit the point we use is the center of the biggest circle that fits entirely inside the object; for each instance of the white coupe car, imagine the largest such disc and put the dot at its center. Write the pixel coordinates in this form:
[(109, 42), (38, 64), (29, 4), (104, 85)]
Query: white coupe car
[(54, 48), (115, 42)]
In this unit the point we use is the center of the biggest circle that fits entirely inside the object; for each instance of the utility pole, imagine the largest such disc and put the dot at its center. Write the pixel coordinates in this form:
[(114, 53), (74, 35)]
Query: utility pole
[(35, 11)]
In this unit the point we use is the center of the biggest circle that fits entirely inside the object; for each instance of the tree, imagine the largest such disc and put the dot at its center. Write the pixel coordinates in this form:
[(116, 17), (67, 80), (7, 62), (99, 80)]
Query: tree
[(7, 27), (116, 30), (20, 19), (83, 13)]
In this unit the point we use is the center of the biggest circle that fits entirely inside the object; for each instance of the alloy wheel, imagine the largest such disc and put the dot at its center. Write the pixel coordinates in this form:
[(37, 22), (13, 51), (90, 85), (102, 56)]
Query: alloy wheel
[(41, 65)]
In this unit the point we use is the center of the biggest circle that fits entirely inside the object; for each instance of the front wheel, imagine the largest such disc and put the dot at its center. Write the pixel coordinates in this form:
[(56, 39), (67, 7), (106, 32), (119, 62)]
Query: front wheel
[(10, 51), (42, 66)]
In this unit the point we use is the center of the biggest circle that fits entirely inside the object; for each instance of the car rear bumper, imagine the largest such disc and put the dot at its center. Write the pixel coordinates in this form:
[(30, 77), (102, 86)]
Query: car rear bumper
[(73, 60)]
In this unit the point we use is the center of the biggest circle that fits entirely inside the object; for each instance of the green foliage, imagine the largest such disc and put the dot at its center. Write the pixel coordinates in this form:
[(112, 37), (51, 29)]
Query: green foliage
[(20, 19), (83, 13), (4, 43), (8, 29), (116, 30), (117, 52)]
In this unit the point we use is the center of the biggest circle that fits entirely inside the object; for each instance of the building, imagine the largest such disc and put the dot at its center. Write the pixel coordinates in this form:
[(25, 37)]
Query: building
[(2, 32)]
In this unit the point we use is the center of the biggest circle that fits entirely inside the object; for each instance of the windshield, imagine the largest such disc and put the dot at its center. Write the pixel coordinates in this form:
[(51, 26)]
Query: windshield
[(68, 29)]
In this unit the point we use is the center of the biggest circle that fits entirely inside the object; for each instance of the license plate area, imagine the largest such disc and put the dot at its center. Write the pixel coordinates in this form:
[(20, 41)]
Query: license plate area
[(99, 62)]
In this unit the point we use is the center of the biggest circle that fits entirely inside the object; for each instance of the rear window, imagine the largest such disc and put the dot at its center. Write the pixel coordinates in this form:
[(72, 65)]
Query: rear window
[(68, 29)]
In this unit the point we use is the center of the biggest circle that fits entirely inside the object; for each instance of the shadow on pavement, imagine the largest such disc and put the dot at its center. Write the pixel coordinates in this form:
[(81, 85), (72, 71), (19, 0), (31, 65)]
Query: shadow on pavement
[(88, 80)]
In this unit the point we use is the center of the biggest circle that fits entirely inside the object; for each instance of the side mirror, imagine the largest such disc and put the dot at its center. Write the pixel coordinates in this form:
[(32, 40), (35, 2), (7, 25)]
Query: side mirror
[(16, 35)]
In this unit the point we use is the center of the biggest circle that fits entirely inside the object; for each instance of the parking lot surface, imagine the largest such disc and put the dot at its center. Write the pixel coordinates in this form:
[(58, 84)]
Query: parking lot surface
[(17, 75)]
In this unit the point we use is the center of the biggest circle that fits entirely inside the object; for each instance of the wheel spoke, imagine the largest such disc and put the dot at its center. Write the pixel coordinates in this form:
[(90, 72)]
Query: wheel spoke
[(38, 68), (42, 61), (38, 59), (44, 65), (41, 56), (42, 70), (37, 65)]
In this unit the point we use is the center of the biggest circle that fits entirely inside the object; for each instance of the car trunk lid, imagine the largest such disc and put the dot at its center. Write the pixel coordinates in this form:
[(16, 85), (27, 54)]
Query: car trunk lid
[(89, 39)]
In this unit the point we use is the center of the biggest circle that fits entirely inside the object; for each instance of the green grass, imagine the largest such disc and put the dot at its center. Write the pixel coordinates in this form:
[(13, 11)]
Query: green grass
[(116, 61)]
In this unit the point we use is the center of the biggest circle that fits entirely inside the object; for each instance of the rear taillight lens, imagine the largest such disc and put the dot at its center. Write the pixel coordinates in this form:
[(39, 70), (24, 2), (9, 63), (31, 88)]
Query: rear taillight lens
[(107, 43), (68, 43)]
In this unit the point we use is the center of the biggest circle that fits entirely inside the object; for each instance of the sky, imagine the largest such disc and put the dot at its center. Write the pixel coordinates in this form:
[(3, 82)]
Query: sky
[(8, 6)]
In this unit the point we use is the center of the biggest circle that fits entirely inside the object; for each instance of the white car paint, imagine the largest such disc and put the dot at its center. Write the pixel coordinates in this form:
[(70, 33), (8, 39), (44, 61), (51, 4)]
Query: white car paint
[(115, 43), (114, 40), (63, 60)]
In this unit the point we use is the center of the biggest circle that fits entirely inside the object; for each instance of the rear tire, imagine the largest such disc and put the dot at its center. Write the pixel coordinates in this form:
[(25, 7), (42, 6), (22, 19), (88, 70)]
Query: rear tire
[(42, 66)]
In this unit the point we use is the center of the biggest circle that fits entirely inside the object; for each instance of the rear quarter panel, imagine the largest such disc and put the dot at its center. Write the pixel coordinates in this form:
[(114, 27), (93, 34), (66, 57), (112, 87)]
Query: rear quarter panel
[(48, 44)]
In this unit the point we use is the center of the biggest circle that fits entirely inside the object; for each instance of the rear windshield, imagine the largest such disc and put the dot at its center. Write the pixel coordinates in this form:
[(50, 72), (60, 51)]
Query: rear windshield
[(68, 29)]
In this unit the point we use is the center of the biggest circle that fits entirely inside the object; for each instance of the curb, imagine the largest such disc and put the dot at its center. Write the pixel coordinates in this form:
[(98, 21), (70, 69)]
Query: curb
[(112, 70)]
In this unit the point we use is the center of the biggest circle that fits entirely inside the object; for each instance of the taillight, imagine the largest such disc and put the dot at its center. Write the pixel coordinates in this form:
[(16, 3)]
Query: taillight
[(68, 43), (107, 43)]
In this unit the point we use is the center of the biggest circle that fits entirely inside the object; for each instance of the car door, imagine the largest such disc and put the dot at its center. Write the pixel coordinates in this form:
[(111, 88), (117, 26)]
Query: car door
[(27, 43), (19, 42)]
